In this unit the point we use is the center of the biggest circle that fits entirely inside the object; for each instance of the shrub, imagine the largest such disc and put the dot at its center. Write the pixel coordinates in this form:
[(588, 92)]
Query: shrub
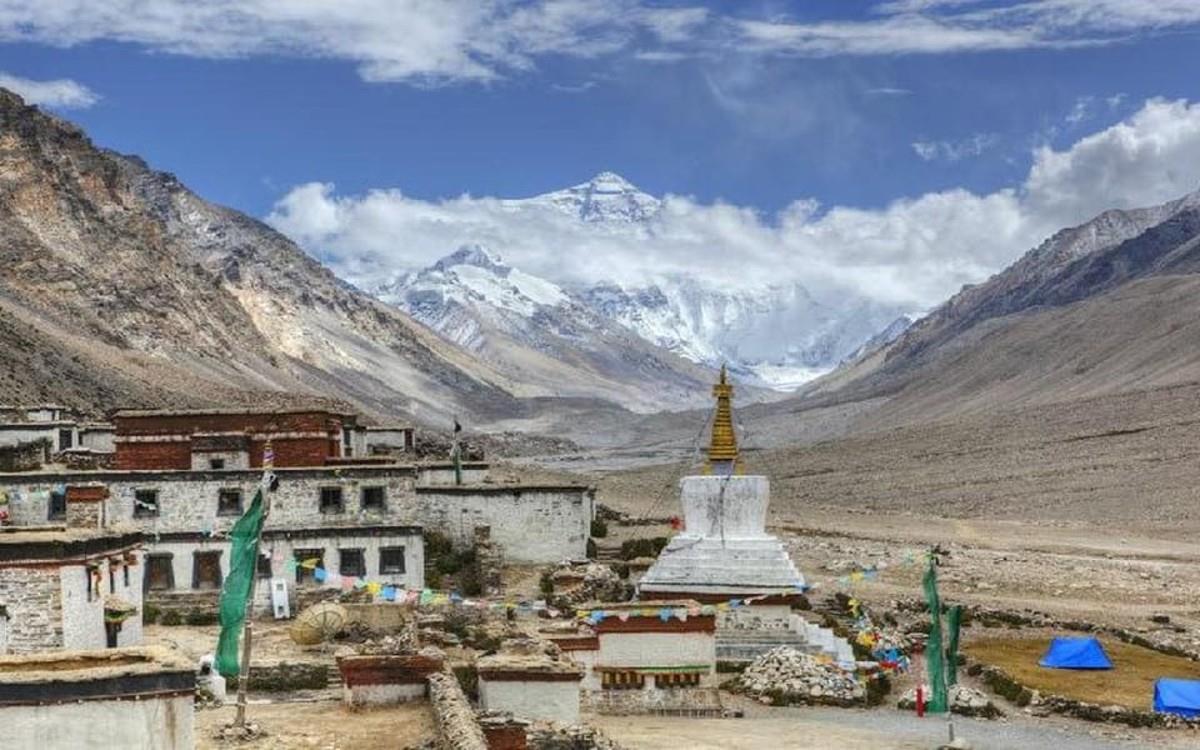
[(201, 617), (546, 584), (150, 613), (171, 617), (644, 547)]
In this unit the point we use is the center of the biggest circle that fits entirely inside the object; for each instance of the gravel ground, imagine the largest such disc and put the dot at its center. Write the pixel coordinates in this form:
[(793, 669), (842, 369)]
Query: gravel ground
[(875, 729)]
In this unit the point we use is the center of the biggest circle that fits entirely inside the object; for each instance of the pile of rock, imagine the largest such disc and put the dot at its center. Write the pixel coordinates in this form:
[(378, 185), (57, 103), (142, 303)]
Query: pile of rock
[(965, 701), (784, 676), (593, 582), (554, 737)]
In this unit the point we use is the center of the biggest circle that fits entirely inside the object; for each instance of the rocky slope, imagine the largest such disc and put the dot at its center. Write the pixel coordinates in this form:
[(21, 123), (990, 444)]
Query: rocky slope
[(1105, 307), (118, 285)]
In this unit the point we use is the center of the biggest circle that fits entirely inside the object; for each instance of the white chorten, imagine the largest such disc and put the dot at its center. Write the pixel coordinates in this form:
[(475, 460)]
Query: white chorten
[(724, 550)]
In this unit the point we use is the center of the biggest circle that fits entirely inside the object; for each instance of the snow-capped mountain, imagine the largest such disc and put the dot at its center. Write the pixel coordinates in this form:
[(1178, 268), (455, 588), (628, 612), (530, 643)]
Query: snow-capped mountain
[(542, 334), (777, 336), (607, 198)]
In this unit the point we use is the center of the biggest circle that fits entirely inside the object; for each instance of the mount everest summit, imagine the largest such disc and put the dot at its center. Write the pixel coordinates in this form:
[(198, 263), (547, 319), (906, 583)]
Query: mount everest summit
[(772, 335)]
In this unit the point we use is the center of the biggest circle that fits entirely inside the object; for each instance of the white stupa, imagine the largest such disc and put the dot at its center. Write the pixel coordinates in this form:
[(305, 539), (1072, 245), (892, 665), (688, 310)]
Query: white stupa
[(724, 551)]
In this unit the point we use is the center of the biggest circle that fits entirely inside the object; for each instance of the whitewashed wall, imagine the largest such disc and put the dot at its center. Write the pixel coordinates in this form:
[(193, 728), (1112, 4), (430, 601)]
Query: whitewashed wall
[(656, 649), (151, 723), (531, 699)]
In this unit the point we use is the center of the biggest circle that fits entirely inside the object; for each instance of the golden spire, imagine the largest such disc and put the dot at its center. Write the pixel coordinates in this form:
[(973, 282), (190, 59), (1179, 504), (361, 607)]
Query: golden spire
[(722, 448)]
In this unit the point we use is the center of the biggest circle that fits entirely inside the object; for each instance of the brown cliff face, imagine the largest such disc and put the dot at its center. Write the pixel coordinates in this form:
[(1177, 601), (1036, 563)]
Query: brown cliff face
[(118, 286)]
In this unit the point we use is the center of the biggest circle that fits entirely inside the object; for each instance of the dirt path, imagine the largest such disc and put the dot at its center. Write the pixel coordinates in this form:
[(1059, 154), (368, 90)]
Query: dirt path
[(327, 725)]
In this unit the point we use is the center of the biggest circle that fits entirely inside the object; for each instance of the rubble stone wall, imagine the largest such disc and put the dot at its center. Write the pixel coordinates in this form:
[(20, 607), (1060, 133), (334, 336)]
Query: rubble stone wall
[(32, 597), (458, 728)]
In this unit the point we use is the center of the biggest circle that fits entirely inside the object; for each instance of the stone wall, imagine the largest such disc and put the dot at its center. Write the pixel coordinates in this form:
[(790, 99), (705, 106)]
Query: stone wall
[(458, 728), (530, 523), (50, 605), (32, 598), (280, 549), (24, 456)]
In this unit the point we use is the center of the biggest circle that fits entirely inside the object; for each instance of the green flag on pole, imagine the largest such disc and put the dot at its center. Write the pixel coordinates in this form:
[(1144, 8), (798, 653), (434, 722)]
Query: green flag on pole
[(243, 559), (935, 658), (953, 624)]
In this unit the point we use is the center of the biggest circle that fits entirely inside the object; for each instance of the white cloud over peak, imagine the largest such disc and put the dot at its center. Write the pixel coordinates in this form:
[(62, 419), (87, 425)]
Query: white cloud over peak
[(913, 252), (431, 42), (62, 93)]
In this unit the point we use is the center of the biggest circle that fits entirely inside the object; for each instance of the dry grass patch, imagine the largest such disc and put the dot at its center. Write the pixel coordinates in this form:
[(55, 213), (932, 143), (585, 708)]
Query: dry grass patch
[(1129, 683)]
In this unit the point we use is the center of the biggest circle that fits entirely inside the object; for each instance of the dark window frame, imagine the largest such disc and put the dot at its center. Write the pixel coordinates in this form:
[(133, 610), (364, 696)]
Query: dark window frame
[(159, 558), (358, 570), (139, 511), (264, 569), (206, 553), (386, 569), (226, 492), (216, 464), (374, 504), (303, 574), (331, 506), (56, 505)]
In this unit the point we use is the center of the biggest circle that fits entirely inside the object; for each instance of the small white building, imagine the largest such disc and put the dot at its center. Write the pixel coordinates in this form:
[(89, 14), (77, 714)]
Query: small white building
[(69, 588), (530, 687), (654, 656), (119, 698)]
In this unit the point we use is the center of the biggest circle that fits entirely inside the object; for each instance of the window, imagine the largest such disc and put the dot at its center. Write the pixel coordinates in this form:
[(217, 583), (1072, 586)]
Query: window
[(216, 464), (125, 571), (677, 680), (66, 440), (303, 574), (206, 570), (160, 572), (391, 560), (622, 680), (229, 502), (352, 562), (93, 581), (372, 498), (112, 578), (145, 503), (331, 500), (57, 510), (264, 565)]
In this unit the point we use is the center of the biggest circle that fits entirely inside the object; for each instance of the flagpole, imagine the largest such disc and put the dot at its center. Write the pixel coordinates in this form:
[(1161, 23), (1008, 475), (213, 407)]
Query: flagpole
[(239, 720)]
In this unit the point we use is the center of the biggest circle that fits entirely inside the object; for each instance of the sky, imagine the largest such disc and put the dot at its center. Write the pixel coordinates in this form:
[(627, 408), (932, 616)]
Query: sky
[(896, 149)]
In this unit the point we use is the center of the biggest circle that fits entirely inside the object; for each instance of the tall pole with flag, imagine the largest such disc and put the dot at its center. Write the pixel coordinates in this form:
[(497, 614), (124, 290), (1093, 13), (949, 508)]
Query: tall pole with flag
[(238, 590)]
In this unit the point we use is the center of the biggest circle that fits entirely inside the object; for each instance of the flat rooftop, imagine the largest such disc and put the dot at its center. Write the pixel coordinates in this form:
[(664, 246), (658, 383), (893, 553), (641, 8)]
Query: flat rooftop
[(68, 676)]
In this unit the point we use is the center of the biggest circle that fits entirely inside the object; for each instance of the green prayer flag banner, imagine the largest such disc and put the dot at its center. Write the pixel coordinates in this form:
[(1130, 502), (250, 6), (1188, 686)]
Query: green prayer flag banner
[(953, 624), (935, 658), (243, 558)]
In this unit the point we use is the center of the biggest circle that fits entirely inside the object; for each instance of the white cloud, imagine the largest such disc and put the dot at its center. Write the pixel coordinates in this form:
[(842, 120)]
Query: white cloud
[(62, 93), (913, 252), (431, 42), (955, 150), (889, 91)]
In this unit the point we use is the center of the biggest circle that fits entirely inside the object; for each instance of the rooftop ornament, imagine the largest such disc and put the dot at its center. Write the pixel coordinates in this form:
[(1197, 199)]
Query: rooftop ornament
[(723, 458)]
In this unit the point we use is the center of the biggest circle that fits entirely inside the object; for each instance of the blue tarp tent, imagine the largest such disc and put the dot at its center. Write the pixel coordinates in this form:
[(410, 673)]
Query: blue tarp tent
[(1076, 653), (1180, 697)]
